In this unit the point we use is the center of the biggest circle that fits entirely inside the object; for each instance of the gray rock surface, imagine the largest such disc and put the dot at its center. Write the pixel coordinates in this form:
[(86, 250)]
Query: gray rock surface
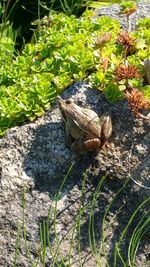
[(34, 161), (142, 11)]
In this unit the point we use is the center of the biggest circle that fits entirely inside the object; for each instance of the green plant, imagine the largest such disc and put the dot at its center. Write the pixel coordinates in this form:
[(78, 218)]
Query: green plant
[(121, 65), (64, 50), (90, 205), (59, 55)]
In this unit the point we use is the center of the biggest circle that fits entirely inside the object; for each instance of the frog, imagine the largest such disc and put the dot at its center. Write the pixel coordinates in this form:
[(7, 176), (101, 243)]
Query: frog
[(85, 130)]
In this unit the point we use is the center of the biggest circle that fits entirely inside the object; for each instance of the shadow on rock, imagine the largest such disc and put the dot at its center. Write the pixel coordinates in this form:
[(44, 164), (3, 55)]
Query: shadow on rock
[(119, 215), (49, 160)]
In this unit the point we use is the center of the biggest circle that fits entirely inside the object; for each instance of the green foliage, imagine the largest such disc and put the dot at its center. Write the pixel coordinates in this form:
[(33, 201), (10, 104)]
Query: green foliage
[(113, 92), (1, 9), (58, 56), (146, 90), (127, 4), (64, 50), (7, 42)]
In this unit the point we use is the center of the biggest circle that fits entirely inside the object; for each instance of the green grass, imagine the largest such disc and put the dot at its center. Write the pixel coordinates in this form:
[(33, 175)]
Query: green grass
[(86, 213), (141, 228)]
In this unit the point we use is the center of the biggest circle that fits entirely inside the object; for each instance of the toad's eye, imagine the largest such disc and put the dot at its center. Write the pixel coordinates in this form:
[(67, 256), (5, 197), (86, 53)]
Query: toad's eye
[(69, 101)]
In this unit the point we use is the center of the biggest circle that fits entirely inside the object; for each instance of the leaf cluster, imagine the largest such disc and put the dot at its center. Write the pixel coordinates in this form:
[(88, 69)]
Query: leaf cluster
[(59, 54), (64, 50)]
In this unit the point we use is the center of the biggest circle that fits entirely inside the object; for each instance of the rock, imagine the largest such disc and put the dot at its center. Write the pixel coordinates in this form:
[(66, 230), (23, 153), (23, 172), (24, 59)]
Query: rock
[(34, 161)]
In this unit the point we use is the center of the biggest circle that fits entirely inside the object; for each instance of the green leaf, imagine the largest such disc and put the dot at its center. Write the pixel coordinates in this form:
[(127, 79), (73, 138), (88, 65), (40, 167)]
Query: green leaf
[(146, 90), (127, 4), (97, 79), (144, 23), (30, 115), (95, 4), (80, 75), (38, 110), (62, 81), (113, 93), (48, 62)]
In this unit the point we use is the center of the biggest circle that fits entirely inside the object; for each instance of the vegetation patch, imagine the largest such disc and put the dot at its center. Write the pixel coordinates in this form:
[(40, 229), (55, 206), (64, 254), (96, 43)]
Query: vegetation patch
[(65, 50)]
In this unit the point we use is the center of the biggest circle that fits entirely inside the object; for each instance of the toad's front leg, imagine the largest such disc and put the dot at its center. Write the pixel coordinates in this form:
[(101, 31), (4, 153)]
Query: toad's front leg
[(68, 137)]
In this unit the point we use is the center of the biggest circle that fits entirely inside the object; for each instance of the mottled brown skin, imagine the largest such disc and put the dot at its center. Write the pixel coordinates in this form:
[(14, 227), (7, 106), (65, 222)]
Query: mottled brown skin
[(85, 131)]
